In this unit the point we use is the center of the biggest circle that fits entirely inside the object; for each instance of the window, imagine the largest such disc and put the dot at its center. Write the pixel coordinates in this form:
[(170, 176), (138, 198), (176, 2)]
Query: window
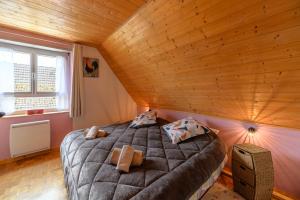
[(32, 78)]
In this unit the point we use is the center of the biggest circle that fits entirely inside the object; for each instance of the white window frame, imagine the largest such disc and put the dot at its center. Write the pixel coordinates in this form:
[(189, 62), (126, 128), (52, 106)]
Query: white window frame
[(34, 52)]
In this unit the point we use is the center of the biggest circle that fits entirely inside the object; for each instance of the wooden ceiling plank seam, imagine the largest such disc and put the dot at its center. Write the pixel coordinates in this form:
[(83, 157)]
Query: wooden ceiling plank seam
[(67, 21), (217, 38), (238, 63), (69, 18), (40, 22), (233, 53), (180, 25), (61, 10), (47, 31)]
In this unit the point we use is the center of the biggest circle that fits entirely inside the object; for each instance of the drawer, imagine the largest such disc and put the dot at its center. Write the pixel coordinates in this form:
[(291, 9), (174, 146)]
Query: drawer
[(243, 189), (243, 172), (242, 156)]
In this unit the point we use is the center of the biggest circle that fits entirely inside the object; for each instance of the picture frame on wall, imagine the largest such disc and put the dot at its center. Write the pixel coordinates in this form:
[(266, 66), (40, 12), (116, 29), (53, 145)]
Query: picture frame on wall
[(90, 67)]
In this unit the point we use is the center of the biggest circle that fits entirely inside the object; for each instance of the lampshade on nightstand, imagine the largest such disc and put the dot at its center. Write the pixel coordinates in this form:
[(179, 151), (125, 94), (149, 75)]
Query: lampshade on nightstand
[(252, 171)]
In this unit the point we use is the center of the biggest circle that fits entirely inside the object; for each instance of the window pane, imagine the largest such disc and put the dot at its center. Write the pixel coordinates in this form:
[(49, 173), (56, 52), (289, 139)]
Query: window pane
[(22, 72), (22, 75), (7, 80), (46, 74), (26, 103), (5, 55), (21, 58)]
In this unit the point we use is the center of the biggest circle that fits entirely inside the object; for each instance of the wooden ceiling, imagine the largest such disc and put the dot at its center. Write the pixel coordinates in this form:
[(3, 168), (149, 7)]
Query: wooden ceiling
[(85, 21), (235, 59)]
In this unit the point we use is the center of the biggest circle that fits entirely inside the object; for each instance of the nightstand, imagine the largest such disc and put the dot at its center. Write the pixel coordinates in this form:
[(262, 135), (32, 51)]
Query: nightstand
[(252, 171)]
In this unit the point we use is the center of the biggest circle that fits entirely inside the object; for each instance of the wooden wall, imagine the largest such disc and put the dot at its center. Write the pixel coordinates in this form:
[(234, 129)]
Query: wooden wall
[(235, 59)]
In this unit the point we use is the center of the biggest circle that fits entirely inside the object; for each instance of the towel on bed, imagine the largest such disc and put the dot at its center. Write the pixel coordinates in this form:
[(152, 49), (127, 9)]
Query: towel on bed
[(91, 133), (94, 132), (125, 159), (137, 160)]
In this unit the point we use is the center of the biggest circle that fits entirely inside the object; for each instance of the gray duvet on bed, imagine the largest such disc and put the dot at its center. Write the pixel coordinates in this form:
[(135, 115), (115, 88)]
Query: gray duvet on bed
[(169, 172)]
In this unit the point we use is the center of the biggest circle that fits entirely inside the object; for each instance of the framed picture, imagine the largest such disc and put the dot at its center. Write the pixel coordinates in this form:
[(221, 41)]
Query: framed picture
[(90, 67)]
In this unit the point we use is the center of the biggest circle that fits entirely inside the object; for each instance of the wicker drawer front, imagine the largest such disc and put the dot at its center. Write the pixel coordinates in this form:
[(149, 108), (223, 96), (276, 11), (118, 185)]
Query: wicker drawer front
[(243, 173), (243, 188), (243, 157)]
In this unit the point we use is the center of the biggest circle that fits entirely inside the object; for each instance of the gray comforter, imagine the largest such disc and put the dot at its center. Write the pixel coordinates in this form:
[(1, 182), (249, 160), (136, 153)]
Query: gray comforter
[(169, 171)]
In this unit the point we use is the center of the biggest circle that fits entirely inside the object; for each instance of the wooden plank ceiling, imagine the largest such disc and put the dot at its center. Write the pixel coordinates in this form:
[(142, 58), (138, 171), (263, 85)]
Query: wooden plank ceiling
[(235, 59), (85, 21)]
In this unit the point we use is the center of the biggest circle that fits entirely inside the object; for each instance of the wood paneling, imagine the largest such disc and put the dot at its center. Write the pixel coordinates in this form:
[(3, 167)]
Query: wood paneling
[(86, 21), (235, 59)]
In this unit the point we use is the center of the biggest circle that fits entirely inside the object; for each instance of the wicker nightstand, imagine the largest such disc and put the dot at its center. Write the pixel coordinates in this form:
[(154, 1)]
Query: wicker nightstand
[(252, 171)]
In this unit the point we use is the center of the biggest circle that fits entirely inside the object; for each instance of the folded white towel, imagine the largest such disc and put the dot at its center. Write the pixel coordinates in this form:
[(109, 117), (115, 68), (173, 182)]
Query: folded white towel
[(92, 133), (125, 159), (137, 160)]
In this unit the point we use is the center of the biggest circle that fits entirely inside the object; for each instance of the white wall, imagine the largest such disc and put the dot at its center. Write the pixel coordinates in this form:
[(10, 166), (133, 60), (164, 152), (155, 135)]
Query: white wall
[(106, 100)]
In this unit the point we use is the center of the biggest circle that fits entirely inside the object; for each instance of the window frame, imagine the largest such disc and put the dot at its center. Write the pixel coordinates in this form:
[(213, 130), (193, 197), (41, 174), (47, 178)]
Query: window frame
[(34, 53)]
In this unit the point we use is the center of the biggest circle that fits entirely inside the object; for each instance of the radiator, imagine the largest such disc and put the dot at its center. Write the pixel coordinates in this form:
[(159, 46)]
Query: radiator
[(30, 137)]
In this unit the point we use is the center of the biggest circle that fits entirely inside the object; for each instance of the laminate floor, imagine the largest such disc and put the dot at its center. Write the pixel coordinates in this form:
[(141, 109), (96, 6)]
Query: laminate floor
[(36, 178)]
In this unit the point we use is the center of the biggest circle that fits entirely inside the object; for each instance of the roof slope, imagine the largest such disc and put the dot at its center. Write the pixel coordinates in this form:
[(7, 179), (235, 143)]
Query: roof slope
[(236, 59)]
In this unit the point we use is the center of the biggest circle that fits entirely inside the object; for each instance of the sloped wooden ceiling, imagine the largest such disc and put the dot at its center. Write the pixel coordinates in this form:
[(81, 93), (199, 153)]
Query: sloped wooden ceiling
[(86, 21), (235, 58)]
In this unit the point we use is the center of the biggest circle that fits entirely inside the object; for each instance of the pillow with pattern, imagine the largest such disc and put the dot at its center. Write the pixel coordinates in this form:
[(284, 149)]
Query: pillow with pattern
[(183, 129), (145, 119)]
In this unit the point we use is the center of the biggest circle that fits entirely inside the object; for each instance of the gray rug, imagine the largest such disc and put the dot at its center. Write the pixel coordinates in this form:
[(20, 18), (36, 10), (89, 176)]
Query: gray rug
[(220, 192)]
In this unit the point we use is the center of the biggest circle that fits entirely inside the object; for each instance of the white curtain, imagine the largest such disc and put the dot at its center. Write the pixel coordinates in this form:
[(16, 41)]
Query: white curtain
[(7, 81), (76, 108), (62, 101)]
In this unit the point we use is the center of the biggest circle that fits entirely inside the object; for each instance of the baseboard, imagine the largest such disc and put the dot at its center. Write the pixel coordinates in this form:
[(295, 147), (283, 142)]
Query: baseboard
[(276, 194), (11, 160)]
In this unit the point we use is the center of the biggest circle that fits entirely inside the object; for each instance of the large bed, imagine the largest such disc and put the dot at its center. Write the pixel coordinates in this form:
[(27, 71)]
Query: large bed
[(169, 171)]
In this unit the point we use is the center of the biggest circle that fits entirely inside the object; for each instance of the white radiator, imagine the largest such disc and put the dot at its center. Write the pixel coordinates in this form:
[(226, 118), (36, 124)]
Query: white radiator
[(30, 137)]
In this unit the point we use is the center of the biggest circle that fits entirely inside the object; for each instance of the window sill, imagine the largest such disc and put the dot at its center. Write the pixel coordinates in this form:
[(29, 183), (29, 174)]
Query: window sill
[(25, 115)]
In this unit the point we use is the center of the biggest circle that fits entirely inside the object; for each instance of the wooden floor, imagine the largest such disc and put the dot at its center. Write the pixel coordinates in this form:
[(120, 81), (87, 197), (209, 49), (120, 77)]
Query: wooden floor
[(40, 178), (36, 178)]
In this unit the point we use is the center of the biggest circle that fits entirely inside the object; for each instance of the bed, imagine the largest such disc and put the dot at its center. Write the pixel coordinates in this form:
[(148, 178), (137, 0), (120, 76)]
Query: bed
[(169, 171)]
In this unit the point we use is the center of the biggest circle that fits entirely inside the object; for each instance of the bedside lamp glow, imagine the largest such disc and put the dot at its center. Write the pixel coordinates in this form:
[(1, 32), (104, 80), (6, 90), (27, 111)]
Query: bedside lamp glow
[(251, 131)]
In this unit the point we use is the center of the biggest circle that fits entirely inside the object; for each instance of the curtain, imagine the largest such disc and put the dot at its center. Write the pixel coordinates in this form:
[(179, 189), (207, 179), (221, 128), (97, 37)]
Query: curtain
[(76, 107), (62, 101), (7, 81)]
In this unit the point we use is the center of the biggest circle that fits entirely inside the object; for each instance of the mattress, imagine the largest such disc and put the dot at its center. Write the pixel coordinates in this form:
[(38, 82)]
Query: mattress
[(169, 171)]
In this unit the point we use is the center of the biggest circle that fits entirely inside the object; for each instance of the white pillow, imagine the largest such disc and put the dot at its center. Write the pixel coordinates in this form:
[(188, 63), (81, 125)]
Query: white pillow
[(144, 119), (183, 129)]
